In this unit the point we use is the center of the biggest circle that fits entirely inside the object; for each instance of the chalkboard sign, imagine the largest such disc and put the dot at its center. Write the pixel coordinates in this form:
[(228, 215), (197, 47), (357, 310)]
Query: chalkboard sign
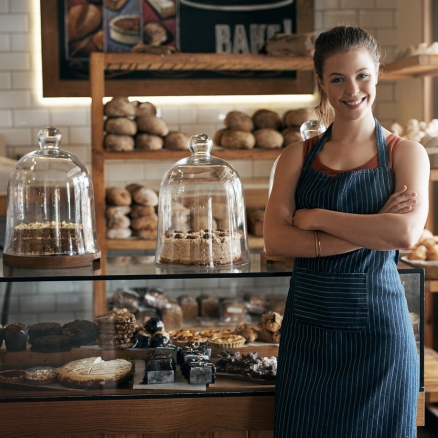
[(193, 26)]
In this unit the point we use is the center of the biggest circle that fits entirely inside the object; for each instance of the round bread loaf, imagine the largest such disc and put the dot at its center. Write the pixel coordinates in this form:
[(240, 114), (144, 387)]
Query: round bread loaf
[(138, 210), (218, 136), (119, 106), (117, 210), (121, 126), (291, 135), (152, 125), (145, 109), (114, 142), (297, 117), (145, 223), (119, 233), (267, 138), (237, 139), (82, 20), (118, 196), (265, 118), (119, 221), (143, 195), (148, 142), (238, 120), (176, 141)]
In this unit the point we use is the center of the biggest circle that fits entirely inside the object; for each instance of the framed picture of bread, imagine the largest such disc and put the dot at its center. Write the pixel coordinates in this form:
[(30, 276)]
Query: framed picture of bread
[(72, 29)]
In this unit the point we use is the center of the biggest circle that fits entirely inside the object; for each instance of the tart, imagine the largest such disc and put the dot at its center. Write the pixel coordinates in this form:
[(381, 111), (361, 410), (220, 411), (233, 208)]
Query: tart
[(125, 29), (209, 333), (182, 341), (227, 341), (11, 376), (40, 377)]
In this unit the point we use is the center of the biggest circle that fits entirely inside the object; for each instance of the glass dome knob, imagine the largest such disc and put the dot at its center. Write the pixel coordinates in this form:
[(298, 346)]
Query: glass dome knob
[(200, 144), (49, 138), (311, 128)]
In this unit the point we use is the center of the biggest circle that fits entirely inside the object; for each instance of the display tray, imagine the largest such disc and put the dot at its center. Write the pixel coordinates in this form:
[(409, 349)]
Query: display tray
[(51, 261), (242, 378), (430, 267)]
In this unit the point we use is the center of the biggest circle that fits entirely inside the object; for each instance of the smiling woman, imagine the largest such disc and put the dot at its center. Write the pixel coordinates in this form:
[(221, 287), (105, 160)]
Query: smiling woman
[(342, 204)]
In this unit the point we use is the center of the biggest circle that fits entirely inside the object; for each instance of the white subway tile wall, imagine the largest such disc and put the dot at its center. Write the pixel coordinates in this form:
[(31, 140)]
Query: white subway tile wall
[(23, 113)]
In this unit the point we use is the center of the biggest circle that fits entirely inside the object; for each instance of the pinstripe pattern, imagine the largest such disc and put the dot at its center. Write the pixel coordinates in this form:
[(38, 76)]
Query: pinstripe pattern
[(347, 365)]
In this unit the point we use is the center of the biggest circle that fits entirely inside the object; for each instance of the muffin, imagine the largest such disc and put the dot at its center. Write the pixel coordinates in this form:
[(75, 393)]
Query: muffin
[(15, 337)]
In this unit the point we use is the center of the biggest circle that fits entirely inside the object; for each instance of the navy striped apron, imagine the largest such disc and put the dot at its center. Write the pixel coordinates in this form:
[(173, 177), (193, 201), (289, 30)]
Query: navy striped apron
[(348, 364)]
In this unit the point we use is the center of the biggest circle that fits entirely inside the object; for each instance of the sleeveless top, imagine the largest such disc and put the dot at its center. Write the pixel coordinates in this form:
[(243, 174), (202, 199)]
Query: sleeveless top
[(392, 143)]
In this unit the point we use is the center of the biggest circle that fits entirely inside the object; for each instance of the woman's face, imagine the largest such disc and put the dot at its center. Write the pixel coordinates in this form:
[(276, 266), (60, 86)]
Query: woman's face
[(349, 80)]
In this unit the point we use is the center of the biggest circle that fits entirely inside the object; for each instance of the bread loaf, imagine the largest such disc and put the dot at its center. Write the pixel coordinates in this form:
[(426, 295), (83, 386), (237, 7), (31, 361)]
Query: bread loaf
[(119, 106), (152, 125), (291, 135), (238, 120), (265, 118), (114, 142), (237, 139), (267, 138), (121, 126), (176, 141), (145, 109), (148, 142), (82, 20)]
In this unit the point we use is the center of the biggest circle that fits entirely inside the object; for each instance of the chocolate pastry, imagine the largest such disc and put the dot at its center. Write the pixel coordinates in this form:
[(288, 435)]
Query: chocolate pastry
[(156, 298), (199, 371), (43, 329), (159, 339), (143, 340), (51, 344), (159, 368), (125, 298), (81, 332)]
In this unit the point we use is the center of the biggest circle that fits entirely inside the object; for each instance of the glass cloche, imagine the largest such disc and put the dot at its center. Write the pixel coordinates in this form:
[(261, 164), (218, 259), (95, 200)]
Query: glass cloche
[(50, 216), (201, 212)]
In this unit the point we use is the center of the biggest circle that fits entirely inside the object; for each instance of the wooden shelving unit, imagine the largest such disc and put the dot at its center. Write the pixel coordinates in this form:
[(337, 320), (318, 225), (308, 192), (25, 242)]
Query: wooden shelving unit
[(416, 66)]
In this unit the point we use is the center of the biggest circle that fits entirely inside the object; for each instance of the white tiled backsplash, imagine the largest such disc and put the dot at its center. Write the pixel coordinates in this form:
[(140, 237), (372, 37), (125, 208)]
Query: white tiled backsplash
[(23, 113)]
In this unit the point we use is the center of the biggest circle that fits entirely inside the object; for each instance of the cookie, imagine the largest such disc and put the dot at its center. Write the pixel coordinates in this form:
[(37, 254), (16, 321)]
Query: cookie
[(43, 329)]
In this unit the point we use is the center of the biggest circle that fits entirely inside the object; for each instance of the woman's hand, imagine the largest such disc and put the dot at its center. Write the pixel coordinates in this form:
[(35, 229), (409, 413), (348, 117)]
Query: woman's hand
[(304, 219), (400, 202)]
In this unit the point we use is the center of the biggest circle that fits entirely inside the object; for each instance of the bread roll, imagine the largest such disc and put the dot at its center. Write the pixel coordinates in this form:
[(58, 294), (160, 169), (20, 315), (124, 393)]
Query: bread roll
[(265, 118), (145, 222), (119, 221), (119, 107), (152, 125), (218, 135), (176, 141), (118, 196), (291, 135), (118, 233), (117, 210), (419, 253), (432, 253), (138, 210), (114, 142), (146, 109), (83, 20), (267, 138), (120, 126), (237, 139), (145, 234), (148, 142), (142, 195), (297, 117), (238, 120)]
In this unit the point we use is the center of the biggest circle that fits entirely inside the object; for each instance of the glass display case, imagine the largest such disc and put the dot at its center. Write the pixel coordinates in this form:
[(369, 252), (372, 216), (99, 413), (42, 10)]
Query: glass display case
[(201, 212), (50, 209), (184, 402)]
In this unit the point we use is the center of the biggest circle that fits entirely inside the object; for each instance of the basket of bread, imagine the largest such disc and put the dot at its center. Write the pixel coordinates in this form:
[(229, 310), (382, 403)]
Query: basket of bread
[(424, 254)]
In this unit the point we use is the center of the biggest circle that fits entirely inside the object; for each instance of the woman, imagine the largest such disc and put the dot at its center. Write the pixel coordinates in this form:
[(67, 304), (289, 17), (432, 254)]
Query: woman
[(342, 204)]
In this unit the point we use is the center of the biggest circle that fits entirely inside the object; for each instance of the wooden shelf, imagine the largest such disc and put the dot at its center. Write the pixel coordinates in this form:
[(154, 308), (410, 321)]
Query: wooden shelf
[(225, 154), (412, 67), (204, 62)]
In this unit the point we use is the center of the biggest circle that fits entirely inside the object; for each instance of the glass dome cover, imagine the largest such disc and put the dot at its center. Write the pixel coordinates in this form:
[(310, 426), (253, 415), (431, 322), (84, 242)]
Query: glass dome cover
[(201, 212), (50, 214)]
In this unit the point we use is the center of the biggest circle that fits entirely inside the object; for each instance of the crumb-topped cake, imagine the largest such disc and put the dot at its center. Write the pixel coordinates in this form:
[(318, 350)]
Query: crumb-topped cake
[(95, 373), (201, 248), (42, 238)]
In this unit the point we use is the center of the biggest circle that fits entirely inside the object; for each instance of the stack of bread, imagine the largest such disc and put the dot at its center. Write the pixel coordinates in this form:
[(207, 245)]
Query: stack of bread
[(424, 132), (426, 249), (265, 129), (131, 211), (135, 125)]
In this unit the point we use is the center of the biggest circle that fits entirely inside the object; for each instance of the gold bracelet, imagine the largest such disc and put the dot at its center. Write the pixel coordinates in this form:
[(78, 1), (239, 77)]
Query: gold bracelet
[(317, 244)]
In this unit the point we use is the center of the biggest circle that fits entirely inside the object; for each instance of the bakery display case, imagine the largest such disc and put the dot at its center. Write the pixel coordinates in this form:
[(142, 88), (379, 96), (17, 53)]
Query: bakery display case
[(113, 389), (50, 219)]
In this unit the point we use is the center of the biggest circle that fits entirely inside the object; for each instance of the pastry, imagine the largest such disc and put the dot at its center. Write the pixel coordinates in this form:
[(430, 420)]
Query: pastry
[(12, 376), (95, 373), (248, 331), (154, 33), (120, 126), (271, 321), (267, 336), (118, 196), (43, 329), (15, 337), (115, 142), (51, 344), (267, 138), (40, 377), (81, 332)]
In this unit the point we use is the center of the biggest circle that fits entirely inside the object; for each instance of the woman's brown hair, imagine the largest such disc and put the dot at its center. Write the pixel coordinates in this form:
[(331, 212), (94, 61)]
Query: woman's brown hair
[(339, 39)]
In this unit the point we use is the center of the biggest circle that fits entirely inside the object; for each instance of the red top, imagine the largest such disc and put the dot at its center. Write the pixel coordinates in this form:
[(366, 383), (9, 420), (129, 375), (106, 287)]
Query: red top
[(392, 143)]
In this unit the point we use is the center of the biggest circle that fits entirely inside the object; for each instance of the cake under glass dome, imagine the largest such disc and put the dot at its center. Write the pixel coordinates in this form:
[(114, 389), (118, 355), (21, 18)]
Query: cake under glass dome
[(201, 212), (50, 215)]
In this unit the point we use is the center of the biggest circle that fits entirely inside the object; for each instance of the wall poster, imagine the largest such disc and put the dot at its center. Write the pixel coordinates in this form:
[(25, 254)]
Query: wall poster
[(72, 29)]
